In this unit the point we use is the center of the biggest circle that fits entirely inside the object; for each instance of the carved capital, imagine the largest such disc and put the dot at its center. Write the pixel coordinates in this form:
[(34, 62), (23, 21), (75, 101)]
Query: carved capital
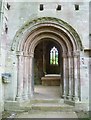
[(64, 54), (69, 54), (31, 55), (19, 53), (26, 54), (76, 53)]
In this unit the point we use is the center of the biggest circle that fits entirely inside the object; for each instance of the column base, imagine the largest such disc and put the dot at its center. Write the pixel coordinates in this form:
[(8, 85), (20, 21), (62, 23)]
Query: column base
[(63, 96), (18, 98), (69, 102), (25, 97), (75, 98), (68, 97), (30, 96)]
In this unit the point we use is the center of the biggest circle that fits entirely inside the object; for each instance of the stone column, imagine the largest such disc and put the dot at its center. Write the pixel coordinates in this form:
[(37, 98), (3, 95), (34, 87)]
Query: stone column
[(19, 77), (70, 67), (44, 61), (64, 82), (25, 77), (76, 78), (30, 78)]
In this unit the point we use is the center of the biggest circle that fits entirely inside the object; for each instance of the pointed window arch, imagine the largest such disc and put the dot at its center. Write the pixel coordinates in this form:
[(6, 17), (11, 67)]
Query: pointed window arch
[(54, 56)]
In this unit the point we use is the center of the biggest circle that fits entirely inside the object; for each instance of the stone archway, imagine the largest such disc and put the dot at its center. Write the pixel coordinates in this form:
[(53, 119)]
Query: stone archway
[(47, 71), (45, 62), (28, 37)]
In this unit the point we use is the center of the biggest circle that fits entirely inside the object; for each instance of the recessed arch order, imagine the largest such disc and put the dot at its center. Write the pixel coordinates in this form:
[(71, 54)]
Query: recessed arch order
[(25, 42), (46, 25)]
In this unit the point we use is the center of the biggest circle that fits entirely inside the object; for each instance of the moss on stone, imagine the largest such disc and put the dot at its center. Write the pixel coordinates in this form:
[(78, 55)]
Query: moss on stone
[(83, 115)]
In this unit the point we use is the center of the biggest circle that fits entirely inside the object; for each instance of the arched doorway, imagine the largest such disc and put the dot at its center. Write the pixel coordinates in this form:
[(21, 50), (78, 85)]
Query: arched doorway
[(25, 43), (48, 69), (47, 59)]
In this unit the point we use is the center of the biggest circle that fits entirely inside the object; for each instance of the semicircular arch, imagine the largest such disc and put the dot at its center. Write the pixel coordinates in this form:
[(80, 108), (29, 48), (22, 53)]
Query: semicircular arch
[(30, 26)]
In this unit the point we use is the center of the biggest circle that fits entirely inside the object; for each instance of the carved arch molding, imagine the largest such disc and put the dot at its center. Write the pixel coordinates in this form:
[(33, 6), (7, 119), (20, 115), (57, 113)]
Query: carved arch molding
[(24, 43)]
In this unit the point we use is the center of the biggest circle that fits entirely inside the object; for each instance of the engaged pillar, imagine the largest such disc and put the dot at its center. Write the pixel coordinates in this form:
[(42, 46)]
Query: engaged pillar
[(70, 72), (76, 77), (19, 76), (25, 77), (65, 71), (31, 78)]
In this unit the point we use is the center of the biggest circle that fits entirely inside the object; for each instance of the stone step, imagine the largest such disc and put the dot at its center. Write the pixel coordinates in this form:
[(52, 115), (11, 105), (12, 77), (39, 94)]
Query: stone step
[(46, 101), (50, 108), (48, 105), (48, 114), (53, 75)]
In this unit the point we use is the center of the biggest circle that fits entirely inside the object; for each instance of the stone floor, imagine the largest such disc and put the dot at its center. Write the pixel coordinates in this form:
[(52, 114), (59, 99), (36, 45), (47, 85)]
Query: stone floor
[(42, 94), (42, 114), (47, 92)]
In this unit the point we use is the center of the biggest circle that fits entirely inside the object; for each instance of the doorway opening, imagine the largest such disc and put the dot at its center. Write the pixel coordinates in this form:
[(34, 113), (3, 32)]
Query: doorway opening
[(48, 69)]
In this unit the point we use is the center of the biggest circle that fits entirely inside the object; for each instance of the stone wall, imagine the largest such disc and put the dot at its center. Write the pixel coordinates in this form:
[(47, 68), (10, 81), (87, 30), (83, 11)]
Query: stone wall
[(21, 12), (90, 54), (2, 58)]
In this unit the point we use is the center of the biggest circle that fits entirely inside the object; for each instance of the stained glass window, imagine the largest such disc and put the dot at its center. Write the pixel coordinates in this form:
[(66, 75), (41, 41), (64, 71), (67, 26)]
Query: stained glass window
[(54, 56)]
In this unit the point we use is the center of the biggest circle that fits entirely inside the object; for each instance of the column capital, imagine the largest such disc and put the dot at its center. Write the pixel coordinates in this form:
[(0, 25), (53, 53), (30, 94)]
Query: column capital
[(69, 54), (31, 55), (76, 53), (64, 54), (26, 54), (19, 53)]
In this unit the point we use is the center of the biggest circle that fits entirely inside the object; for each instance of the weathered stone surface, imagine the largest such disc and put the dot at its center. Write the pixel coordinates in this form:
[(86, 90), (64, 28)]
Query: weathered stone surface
[(26, 27)]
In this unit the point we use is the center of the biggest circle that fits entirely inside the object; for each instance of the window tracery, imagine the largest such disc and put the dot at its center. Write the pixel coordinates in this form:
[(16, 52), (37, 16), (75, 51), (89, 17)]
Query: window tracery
[(54, 56)]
